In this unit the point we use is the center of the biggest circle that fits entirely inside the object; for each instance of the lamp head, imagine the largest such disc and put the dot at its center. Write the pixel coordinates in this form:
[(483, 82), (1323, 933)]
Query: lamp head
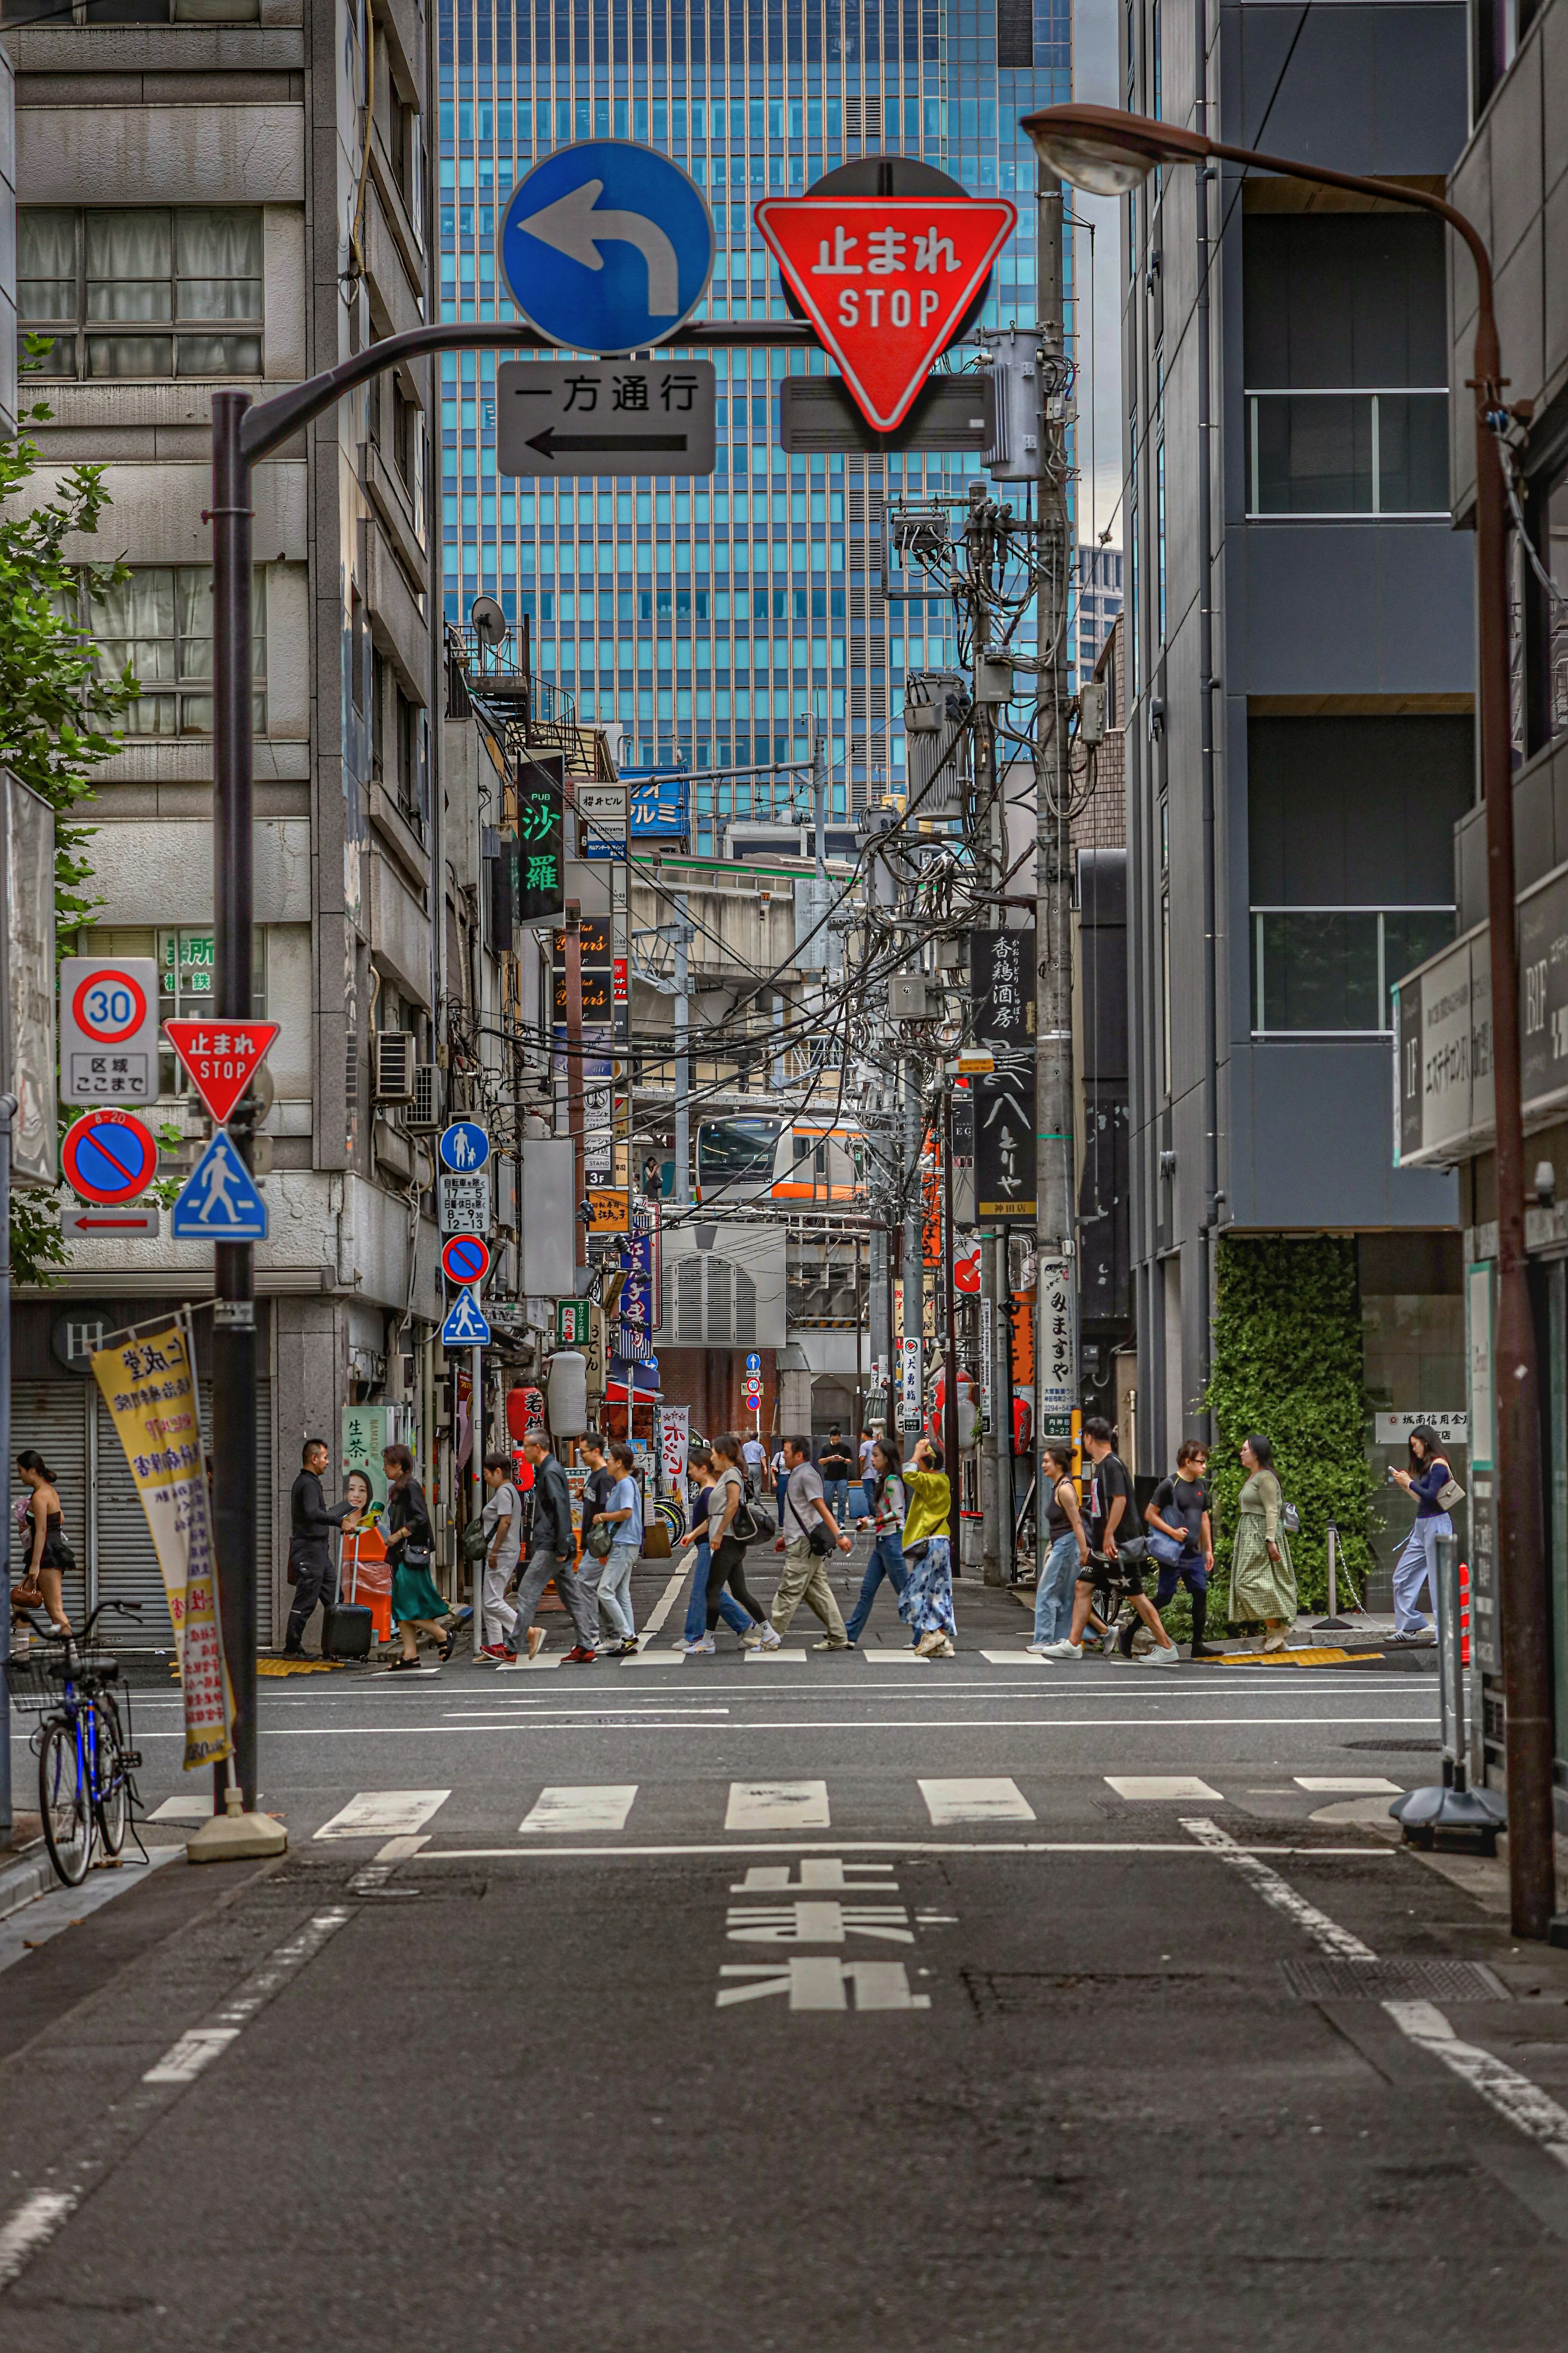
[(1106, 151)]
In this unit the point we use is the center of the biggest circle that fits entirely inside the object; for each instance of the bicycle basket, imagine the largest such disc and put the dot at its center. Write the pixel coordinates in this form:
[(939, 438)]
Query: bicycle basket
[(30, 1684)]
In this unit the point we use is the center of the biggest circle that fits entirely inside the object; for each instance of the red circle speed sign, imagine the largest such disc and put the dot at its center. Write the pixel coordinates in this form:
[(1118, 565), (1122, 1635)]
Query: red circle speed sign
[(109, 1005)]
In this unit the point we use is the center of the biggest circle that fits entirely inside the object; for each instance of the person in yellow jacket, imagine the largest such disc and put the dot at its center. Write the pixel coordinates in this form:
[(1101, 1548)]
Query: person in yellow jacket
[(926, 1601)]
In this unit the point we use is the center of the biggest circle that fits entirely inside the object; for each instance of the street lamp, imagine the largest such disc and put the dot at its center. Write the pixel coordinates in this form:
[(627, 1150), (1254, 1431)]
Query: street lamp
[(1103, 149)]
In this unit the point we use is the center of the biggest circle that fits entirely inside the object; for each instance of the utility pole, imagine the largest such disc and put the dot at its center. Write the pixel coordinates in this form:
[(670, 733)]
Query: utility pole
[(950, 1445), (1053, 1014), (572, 962)]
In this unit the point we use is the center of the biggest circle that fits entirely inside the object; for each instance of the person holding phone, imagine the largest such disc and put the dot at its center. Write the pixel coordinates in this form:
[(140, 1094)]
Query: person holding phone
[(1418, 1564)]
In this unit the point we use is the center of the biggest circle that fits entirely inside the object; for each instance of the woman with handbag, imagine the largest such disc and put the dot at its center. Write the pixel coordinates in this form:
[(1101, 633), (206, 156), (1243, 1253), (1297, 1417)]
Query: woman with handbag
[(1436, 1490), (728, 1553), (49, 1554), (416, 1605), (1262, 1577), (926, 1602)]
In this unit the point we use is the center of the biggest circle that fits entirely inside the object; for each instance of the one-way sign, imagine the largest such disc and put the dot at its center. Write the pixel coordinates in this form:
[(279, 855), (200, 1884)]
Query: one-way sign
[(604, 417)]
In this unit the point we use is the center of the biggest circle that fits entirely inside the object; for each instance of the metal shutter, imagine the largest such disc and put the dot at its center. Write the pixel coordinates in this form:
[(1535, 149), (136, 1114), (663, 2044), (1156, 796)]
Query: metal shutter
[(51, 1416), (721, 1329), (745, 1309)]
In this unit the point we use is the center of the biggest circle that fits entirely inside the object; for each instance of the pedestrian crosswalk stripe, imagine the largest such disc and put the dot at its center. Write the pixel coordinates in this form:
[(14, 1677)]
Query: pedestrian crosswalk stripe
[(531, 1666), (777, 1806), (1015, 1659), (385, 1813), (777, 1658), (895, 1658), (647, 1657), (1346, 1784), (595, 1806), (1159, 1784), (976, 1801)]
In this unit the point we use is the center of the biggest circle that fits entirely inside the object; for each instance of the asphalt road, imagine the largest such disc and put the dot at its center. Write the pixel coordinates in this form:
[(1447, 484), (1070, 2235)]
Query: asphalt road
[(833, 2003)]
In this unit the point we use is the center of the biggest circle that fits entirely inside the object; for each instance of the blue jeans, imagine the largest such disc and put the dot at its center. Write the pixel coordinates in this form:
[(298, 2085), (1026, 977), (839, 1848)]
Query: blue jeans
[(730, 1610), (887, 1561), (1053, 1596), (616, 1589), (833, 1492)]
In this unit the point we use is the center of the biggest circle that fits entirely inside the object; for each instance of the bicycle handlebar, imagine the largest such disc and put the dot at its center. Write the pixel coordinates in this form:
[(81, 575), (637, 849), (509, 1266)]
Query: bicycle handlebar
[(80, 1634)]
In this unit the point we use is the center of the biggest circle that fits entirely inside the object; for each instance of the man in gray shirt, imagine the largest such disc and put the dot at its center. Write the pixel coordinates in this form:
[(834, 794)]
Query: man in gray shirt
[(805, 1577)]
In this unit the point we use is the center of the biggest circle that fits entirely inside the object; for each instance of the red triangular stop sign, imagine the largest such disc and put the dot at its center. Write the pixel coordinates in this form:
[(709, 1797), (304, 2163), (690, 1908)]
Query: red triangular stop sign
[(885, 280), (221, 1057)]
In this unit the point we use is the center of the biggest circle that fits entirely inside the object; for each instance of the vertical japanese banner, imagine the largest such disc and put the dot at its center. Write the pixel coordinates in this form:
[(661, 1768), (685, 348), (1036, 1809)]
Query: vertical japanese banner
[(149, 1386), (674, 1442), (1054, 1395), (1001, 981)]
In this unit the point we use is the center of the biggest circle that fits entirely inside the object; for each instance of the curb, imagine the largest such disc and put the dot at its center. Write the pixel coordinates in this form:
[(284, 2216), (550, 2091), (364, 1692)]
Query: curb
[(25, 1880)]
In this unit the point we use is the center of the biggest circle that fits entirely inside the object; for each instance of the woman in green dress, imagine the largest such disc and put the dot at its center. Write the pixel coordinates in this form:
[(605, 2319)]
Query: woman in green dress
[(1262, 1580), (415, 1603)]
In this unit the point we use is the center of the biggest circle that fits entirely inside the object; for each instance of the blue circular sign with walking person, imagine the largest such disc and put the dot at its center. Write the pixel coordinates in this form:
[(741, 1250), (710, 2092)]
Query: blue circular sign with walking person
[(606, 247)]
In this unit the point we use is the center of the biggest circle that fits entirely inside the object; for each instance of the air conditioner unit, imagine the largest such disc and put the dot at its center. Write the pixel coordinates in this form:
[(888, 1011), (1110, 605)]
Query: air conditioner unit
[(391, 1065), (423, 1116)]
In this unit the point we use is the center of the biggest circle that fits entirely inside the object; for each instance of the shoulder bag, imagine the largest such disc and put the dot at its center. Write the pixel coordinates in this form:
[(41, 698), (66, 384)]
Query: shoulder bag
[(817, 1539)]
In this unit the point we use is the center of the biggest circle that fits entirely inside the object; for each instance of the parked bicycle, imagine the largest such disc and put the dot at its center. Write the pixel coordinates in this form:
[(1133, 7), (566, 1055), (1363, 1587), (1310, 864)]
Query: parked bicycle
[(85, 1792)]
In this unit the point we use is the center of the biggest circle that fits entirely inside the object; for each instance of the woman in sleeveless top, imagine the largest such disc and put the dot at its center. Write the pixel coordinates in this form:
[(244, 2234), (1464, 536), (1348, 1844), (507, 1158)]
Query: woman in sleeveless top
[(1069, 1551), (49, 1554)]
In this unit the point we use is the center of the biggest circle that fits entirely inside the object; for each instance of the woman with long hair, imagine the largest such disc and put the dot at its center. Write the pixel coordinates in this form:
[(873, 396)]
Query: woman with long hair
[(49, 1554), (1069, 1554), (1418, 1564), (886, 1489), (728, 1555), (416, 1604), (1262, 1577)]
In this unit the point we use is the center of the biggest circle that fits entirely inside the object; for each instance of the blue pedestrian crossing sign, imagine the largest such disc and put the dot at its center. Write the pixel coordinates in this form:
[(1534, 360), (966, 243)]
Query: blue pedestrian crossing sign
[(465, 1326), (219, 1202), (606, 247), (465, 1146)]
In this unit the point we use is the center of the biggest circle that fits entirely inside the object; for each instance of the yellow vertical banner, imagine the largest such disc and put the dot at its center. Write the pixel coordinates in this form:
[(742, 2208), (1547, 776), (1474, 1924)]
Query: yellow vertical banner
[(149, 1386)]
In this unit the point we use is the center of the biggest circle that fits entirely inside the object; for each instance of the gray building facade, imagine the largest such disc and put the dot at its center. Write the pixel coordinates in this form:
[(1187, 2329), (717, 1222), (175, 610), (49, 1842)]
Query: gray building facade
[(1298, 766)]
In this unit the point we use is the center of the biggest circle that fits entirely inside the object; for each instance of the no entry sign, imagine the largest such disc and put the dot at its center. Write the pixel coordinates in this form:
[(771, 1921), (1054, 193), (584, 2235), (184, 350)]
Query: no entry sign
[(465, 1259), (108, 1157), (885, 280), (222, 1058)]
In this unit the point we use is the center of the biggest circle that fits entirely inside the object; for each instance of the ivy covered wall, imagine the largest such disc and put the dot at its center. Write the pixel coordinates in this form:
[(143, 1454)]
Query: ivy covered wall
[(1287, 1361)]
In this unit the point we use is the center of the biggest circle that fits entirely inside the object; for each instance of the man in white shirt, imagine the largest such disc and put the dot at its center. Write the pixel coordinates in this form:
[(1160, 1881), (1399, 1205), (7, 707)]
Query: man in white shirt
[(503, 1526), (753, 1456)]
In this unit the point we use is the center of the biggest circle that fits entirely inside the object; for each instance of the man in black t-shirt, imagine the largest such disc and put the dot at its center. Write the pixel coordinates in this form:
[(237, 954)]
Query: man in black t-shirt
[(1180, 1518), (1110, 1515)]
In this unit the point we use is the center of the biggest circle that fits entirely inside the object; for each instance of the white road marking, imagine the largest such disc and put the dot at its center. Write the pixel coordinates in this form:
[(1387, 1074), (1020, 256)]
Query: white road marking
[(1523, 2104), (895, 1658), (812, 1983), (781, 1657), (596, 1806), (1345, 1785), (662, 1608), (861, 1723), (185, 1809), (1382, 1851), (1160, 1784), (826, 1920), (185, 2059), (32, 2226), (1326, 1934), (777, 1805), (1510, 2095), (385, 1813), (975, 1801), (531, 1666), (1015, 1659), (646, 1658)]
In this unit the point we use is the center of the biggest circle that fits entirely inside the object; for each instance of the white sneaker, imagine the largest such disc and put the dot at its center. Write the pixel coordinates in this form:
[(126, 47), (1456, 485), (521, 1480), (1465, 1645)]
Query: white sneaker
[(753, 1639), (703, 1642), (1039, 1650), (772, 1640), (1062, 1650), (1167, 1657)]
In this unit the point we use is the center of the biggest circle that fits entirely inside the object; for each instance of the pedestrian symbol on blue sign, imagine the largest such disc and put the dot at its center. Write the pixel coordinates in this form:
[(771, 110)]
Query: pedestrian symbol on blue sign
[(465, 1327), (606, 247), (465, 1146), (219, 1201)]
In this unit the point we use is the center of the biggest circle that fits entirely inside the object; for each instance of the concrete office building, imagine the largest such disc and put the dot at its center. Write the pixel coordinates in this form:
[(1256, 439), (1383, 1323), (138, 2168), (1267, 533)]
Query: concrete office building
[(705, 619), (1340, 680), (234, 192), (1095, 605)]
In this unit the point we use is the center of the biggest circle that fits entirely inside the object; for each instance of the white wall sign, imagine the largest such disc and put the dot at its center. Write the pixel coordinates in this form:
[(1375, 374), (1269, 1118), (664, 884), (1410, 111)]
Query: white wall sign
[(1394, 1428)]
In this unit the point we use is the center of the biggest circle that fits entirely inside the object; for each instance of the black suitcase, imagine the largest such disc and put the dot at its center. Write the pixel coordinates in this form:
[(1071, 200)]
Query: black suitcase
[(348, 1630)]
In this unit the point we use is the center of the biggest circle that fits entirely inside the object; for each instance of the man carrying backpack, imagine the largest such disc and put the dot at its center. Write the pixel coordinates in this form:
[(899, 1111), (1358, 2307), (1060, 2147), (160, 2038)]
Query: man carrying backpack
[(805, 1545), (1180, 1521)]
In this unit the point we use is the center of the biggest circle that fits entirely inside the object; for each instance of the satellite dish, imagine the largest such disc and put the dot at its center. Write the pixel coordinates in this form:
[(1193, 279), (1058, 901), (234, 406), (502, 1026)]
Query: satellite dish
[(488, 620)]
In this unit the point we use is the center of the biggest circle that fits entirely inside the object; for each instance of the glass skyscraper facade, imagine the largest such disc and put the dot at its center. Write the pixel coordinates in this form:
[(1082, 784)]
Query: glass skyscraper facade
[(709, 618)]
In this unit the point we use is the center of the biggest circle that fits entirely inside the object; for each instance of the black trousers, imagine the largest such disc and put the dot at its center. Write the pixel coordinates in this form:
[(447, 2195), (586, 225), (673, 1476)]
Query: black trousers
[(317, 1582), (729, 1569)]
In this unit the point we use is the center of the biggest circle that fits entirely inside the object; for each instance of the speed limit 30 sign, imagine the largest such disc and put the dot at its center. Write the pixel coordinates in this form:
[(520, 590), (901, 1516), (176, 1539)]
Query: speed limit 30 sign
[(108, 1029)]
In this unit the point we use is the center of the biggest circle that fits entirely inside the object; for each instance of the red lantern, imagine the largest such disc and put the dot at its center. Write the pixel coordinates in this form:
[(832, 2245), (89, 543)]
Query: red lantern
[(524, 1412)]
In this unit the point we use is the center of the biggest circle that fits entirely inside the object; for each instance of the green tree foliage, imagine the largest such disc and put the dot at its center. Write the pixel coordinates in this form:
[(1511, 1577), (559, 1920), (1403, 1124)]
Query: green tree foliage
[(1288, 1362), (59, 713)]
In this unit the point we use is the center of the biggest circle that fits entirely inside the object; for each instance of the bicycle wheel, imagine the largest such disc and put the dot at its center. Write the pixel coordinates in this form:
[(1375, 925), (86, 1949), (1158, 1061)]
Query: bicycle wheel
[(111, 1793), (674, 1518), (63, 1802)]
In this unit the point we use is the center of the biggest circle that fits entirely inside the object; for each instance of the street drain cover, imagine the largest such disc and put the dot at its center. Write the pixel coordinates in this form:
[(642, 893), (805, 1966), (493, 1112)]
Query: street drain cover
[(1426, 1980)]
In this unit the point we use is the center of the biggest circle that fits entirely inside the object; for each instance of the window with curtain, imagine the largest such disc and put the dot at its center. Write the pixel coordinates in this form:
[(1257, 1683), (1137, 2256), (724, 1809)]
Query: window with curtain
[(159, 622), (152, 291)]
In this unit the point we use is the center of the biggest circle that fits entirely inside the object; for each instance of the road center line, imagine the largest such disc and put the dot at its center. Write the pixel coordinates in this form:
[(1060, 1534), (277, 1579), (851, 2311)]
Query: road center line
[(834, 1723)]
